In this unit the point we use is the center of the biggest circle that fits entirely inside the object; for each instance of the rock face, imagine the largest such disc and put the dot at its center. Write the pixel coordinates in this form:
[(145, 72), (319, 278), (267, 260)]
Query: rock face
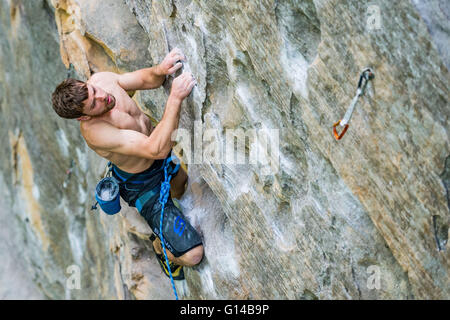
[(366, 217)]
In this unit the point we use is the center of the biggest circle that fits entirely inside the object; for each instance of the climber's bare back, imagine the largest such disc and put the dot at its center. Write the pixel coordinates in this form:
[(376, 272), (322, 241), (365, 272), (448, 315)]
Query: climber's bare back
[(124, 115)]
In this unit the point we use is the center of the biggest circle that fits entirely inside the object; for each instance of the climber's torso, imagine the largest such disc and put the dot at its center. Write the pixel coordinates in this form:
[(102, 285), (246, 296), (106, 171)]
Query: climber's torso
[(124, 115)]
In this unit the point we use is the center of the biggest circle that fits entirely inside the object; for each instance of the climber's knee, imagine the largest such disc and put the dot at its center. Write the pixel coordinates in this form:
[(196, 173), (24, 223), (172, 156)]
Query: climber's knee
[(193, 256)]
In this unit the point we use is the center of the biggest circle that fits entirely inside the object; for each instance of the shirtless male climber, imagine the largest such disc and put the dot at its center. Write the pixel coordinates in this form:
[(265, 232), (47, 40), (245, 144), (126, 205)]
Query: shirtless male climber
[(116, 129)]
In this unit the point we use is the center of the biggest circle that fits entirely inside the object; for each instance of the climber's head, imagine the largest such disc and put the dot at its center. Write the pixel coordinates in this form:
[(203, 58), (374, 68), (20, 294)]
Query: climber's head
[(98, 102), (68, 97), (81, 100)]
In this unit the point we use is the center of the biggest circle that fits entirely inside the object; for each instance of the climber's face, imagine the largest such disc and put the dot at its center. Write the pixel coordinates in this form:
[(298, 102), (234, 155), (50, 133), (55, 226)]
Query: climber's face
[(98, 102)]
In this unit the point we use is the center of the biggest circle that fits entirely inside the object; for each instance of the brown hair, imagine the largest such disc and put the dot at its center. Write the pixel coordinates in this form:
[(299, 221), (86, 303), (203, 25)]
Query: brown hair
[(68, 98)]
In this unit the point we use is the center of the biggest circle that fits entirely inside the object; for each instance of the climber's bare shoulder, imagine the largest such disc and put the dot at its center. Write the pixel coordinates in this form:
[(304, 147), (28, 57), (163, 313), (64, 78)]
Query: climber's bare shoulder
[(111, 134)]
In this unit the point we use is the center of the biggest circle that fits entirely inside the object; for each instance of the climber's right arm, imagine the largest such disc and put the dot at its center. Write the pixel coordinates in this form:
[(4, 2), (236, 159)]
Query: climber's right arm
[(105, 137)]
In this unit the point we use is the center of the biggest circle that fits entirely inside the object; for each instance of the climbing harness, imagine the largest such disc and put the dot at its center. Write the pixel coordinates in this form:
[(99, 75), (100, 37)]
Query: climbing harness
[(163, 197), (366, 75), (112, 206)]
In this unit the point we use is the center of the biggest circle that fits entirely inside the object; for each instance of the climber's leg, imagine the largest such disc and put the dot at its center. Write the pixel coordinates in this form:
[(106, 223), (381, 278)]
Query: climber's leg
[(183, 243), (178, 184), (188, 259)]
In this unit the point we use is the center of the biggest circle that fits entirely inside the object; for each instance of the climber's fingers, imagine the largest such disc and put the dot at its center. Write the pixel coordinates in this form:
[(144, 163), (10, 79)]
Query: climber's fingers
[(183, 84), (175, 59), (188, 77), (175, 68), (188, 80), (176, 55), (172, 62), (176, 52), (192, 84)]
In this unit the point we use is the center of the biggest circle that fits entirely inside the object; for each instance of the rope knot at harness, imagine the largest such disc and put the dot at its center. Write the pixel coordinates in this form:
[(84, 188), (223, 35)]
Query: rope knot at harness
[(164, 193)]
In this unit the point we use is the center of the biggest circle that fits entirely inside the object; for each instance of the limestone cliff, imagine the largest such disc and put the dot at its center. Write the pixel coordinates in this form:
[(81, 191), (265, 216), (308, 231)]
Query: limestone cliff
[(321, 219)]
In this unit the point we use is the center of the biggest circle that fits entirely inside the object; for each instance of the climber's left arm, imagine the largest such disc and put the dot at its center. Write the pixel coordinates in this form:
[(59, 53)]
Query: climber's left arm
[(151, 78), (148, 78)]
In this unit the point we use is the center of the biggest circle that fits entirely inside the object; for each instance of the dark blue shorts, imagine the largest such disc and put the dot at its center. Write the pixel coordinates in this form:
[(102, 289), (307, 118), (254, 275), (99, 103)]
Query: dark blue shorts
[(141, 190)]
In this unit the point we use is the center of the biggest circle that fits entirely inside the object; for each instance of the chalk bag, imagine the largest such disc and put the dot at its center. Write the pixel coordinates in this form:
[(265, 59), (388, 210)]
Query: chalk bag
[(107, 195)]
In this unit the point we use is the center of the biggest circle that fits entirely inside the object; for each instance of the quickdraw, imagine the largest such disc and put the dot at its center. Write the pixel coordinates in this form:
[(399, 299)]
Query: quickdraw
[(366, 75)]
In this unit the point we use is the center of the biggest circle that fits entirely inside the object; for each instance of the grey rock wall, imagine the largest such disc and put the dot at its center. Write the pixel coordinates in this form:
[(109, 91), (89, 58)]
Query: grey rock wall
[(323, 222)]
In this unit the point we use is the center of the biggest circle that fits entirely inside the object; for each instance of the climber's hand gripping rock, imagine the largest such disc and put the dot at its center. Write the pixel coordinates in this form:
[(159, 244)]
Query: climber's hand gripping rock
[(170, 65), (182, 85)]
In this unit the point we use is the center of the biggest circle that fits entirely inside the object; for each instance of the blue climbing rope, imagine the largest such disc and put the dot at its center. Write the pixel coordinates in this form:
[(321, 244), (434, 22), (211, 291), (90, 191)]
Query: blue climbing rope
[(163, 196)]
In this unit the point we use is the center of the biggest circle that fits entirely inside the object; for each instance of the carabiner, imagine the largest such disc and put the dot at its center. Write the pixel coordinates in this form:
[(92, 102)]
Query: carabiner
[(366, 75), (337, 135)]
